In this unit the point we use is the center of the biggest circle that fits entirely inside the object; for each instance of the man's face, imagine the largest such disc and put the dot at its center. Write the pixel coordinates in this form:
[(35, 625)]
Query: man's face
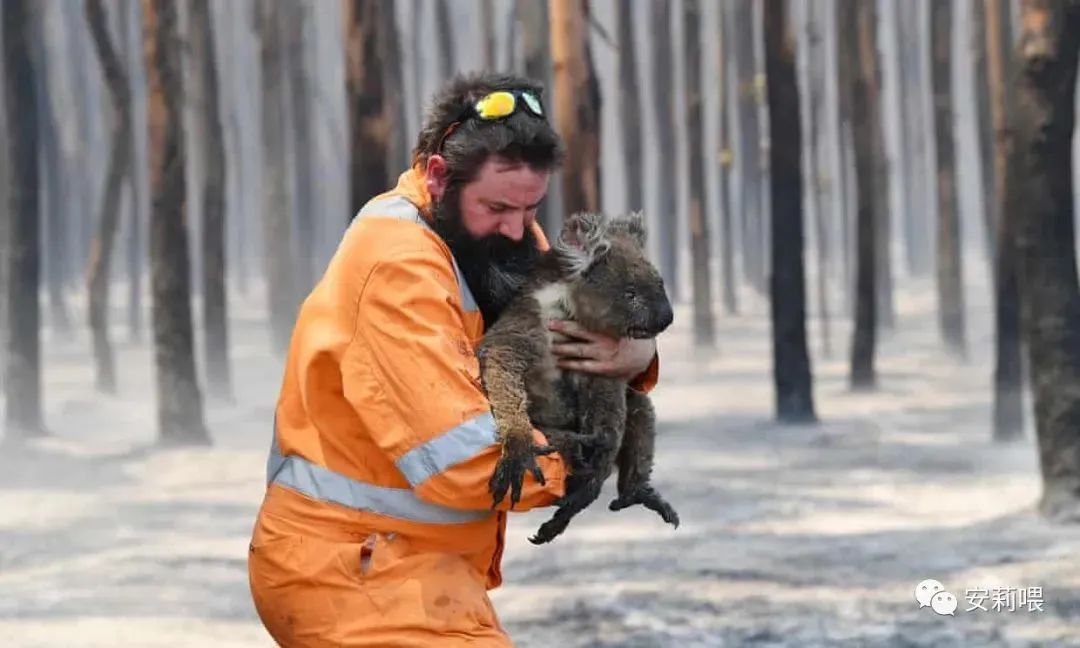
[(502, 200), (487, 225)]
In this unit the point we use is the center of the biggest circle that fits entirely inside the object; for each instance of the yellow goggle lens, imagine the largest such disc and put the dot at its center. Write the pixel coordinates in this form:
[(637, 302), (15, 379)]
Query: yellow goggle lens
[(495, 105)]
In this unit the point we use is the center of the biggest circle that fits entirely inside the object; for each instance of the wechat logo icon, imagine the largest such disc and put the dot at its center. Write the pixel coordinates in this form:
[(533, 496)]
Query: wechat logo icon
[(931, 593)]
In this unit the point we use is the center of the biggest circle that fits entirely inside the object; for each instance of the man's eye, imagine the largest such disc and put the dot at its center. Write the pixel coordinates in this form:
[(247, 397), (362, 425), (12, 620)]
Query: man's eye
[(498, 209)]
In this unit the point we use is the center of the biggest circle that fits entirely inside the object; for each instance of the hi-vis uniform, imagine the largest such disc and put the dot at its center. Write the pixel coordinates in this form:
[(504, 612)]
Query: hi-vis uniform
[(376, 528)]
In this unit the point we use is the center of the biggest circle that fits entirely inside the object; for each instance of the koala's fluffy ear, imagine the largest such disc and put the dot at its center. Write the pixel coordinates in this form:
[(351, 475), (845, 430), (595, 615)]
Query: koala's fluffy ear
[(631, 224), (583, 239)]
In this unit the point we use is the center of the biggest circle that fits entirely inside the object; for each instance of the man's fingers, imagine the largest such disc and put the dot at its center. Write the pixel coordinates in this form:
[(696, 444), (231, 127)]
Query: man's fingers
[(573, 350), (587, 366), (573, 328)]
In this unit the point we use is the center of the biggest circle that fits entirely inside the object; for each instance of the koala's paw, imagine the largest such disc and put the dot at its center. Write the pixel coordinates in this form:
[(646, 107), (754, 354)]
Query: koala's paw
[(518, 457), (647, 496)]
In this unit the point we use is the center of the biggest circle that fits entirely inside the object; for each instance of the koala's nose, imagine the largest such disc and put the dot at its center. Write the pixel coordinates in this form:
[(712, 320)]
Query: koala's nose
[(664, 316)]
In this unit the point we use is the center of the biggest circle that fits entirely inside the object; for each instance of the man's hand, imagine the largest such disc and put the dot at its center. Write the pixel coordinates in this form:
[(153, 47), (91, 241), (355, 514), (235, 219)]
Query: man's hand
[(594, 353)]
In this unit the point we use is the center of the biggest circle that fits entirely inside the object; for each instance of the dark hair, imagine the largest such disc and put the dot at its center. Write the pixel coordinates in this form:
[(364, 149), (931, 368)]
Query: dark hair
[(521, 137)]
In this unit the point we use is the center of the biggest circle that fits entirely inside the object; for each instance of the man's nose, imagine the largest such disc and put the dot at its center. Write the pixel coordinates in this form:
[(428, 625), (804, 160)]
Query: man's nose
[(513, 228)]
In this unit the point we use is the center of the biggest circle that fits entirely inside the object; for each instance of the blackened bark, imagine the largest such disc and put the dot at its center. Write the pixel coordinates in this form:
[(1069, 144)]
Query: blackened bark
[(815, 83), (215, 301), (22, 375), (704, 327), (444, 38), (129, 18), (751, 209), (1042, 207), (180, 411), (398, 154), (1008, 370), (663, 104), (294, 16), (277, 229), (858, 30), (985, 130), (369, 123), (727, 210), (791, 362), (950, 289), (629, 107), (536, 48), (101, 249)]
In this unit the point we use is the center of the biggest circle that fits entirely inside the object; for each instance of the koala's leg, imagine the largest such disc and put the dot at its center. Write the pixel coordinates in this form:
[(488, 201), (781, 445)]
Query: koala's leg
[(600, 432), (635, 460), (502, 379)]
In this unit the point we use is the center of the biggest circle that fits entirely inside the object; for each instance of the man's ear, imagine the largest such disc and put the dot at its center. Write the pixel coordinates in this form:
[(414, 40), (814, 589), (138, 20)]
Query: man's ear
[(436, 176)]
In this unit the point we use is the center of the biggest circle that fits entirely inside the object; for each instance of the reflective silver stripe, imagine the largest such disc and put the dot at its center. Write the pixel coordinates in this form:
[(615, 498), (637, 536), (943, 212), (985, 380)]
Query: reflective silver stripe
[(448, 449), (400, 207), (323, 484)]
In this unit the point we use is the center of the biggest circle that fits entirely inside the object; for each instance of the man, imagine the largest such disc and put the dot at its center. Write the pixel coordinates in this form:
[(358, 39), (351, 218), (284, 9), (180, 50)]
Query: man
[(377, 527)]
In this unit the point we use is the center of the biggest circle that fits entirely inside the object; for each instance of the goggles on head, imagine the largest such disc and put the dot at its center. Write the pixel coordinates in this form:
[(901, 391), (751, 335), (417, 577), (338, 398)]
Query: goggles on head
[(496, 105)]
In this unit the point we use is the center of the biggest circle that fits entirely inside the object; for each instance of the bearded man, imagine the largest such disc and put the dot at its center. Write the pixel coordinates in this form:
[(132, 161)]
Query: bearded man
[(377, 527)]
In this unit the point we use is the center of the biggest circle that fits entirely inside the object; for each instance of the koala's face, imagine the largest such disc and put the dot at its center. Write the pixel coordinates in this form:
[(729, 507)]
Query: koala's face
[(620, 292)]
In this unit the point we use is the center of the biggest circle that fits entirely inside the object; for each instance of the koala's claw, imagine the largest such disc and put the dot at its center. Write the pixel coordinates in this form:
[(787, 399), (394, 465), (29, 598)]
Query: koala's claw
[(517, 458), (650, 499)]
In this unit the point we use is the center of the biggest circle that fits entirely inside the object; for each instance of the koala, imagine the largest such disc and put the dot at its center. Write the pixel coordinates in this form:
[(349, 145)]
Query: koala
[(596, 274)]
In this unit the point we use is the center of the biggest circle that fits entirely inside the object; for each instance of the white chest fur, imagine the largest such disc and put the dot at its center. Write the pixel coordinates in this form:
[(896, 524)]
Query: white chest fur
[(554, 302)]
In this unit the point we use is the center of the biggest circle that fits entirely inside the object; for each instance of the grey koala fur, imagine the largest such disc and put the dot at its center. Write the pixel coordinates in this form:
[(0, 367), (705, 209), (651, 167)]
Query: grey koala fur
[(596, 274)]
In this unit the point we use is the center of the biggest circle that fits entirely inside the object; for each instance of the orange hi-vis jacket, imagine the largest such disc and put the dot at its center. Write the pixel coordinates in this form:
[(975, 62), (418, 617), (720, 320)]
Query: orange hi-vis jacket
[(377, 527)]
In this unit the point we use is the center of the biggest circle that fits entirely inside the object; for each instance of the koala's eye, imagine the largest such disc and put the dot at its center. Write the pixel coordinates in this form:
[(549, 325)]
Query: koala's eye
[(630, 294)]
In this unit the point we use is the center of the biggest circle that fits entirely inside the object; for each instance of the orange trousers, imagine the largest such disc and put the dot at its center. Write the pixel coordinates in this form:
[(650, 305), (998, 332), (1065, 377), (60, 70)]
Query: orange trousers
[(371, 590)]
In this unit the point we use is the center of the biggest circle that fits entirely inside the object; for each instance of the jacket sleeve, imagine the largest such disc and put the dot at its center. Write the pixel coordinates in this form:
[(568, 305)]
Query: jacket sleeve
[(646, 380), (410, 334)]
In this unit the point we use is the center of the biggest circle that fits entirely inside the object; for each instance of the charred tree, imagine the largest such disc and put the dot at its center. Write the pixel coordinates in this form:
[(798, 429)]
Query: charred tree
[(97, 279), (444, 38), (750, 203), (180, 410), (370, 124), (985, 130), (693, 101), (791, 362), (487, 30), (629, 107), (866, 121), (886, 317), (1042, 207), (950, 289), (22, 374), (534, 27), (399, 152), (815, 84), (282, 292), (215, 302), (577, 105), (661, 68), (727, 210), (294, 15), (129, 18), (1008, 371)]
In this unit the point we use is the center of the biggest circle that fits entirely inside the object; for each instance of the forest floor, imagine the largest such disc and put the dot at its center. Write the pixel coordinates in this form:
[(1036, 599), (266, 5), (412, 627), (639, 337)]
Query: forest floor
[(797, 536)]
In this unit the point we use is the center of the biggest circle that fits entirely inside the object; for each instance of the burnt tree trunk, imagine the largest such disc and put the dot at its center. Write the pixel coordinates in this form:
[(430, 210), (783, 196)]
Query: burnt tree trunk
[(950, 289), (919, 194), (985, 130), (1008, 370), (294, 15), (215, 303), (750, 208), (180, 411), (630, 108), (101, 249), (693, 100), (444, 38), (886, 316), (536, 51), (369, 123), (487, 30), (1042, 207), (577, 105), (277, 227), (661, 68), (398, 151), (130, 20), (815, 84), (727, 221), (858, 30), (791, 362), (22, 374)]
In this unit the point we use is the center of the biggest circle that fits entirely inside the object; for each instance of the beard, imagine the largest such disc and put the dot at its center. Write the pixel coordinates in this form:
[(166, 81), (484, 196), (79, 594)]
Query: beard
[(495, 267)]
